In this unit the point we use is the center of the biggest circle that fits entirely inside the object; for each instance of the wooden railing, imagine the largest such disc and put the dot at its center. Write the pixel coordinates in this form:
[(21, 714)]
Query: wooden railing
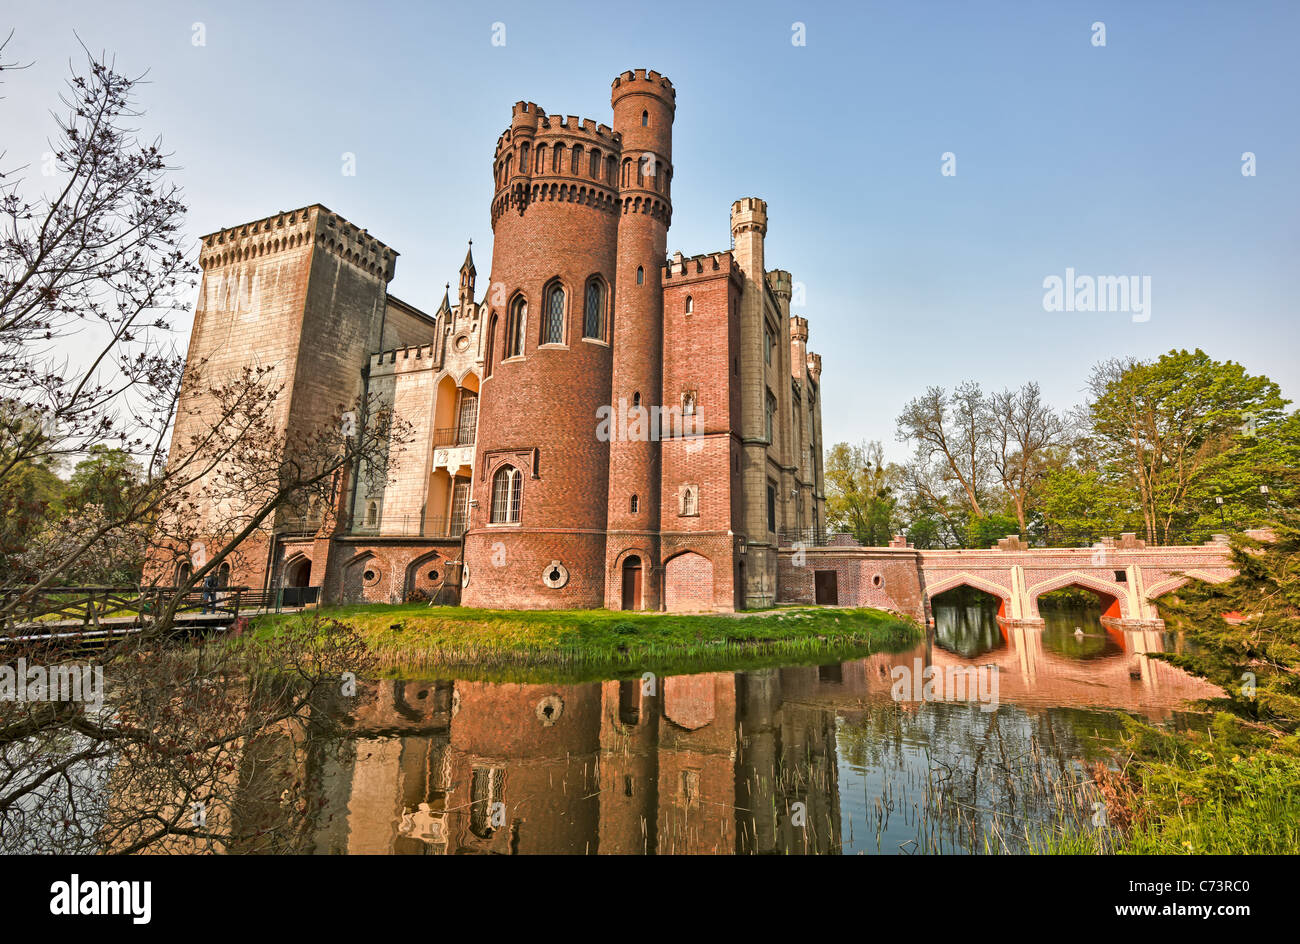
[(96, 609)]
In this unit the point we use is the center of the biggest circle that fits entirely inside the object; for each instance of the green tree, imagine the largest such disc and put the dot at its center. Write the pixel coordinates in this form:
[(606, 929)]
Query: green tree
[(1159, 426), (106, 477), (862, 492), (27, 495), (1246, 630)]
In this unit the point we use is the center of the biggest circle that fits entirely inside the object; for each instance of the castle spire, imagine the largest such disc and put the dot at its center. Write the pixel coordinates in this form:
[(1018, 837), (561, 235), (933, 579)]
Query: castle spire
[(446, 300), (467, 276)]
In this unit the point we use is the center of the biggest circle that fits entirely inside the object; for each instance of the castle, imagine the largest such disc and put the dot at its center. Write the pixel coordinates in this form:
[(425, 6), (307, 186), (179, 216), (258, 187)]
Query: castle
[(606, 427)]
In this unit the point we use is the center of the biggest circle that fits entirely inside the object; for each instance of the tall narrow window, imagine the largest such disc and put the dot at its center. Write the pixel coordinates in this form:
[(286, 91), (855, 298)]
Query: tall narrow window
[(575, 165), (690, 501), (593, 322), (554, 330), (645, 119), (771, 415), (771, 507), (515, 328), (507, 491), (634, 505), (459, 508), (688, 404), (467, 418), (690, 304), (640, 275)]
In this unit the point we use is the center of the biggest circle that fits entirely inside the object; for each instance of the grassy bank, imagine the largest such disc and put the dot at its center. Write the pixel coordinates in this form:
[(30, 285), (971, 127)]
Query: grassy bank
[(1225, 790), (415, 636)]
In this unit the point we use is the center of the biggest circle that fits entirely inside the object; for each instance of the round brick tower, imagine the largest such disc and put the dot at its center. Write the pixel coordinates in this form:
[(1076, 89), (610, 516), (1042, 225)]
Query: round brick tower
[(548, 368), (644, 105)]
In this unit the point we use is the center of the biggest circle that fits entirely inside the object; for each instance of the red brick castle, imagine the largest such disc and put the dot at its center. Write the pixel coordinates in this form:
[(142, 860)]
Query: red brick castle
[(607, 427)]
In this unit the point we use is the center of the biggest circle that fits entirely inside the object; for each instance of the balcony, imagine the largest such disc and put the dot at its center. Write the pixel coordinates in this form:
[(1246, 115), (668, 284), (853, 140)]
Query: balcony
[(410, 526), (454, 436)]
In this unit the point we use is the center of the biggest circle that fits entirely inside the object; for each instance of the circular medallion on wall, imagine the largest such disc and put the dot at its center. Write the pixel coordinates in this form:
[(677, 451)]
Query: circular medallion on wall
[(549, 710), (372, 574), (462, 342), (556, 575)]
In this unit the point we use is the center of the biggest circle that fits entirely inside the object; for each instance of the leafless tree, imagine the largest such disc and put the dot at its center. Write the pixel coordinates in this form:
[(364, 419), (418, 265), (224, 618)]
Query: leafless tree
[(952, 428), (1022, 432), (92, 269)]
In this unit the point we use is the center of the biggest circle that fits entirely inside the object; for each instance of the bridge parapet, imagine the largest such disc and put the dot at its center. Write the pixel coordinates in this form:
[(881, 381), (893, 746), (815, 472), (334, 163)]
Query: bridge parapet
[(1125, 574)]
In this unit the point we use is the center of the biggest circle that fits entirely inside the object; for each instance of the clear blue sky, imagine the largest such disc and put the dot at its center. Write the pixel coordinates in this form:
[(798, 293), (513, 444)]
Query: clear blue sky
[(1122, 160)]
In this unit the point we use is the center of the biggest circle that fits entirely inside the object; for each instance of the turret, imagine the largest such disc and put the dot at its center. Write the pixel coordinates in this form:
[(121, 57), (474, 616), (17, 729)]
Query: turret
[(748, 227), (644, 106), (798, 346)]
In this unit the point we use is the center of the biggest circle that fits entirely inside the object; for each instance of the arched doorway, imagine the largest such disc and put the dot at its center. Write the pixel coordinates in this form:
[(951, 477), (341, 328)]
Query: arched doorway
[(632, 583), (298, 573)]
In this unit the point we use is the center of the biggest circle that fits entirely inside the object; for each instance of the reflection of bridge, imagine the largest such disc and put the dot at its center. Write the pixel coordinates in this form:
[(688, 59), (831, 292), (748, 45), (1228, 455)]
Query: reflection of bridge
[(1125, 575)]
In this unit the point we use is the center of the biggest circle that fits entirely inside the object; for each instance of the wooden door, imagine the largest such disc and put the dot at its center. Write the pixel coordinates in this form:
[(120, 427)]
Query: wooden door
[(632, 583)]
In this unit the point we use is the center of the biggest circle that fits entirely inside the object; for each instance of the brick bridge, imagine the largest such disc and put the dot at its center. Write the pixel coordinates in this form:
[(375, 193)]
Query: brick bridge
[(1125, 575)]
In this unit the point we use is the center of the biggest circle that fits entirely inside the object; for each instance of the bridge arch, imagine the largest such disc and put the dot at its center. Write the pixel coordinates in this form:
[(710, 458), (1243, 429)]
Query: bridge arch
[(967, 579), (1114, 596), (1178, 580)]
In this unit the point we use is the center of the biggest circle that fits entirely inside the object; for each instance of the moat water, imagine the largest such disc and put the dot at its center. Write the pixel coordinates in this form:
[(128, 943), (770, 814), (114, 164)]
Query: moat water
[(797, 759)]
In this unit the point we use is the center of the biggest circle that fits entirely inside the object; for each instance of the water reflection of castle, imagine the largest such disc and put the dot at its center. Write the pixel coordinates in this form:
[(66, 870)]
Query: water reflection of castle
[(714, 763)]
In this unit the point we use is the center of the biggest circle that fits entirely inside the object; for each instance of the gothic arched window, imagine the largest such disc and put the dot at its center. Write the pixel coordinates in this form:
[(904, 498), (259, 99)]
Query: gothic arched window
[(593, 322), (553, 330), (515, 327), (507, 491)]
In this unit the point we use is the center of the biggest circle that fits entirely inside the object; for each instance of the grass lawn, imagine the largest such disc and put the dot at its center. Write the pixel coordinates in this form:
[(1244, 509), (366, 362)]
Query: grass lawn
[(414, 636)]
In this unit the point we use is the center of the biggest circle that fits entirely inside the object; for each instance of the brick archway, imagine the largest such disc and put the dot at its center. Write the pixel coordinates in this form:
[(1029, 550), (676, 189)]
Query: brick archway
[(688, 583), (1114, 597), (364, 578), (1179, 580), (419, 575), (967, 579)]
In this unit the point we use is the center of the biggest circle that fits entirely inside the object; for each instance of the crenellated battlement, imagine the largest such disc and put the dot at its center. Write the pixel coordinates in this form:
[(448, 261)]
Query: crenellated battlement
[(682, 268), (799, 328), (749, 213), (293, 229), (779, 281), (642, 81), (530, 122), (403, 359), (815, 367)]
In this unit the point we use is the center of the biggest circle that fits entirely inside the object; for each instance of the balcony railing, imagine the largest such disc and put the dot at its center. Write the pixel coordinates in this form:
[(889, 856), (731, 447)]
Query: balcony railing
[(410, 526), (454, 436)]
